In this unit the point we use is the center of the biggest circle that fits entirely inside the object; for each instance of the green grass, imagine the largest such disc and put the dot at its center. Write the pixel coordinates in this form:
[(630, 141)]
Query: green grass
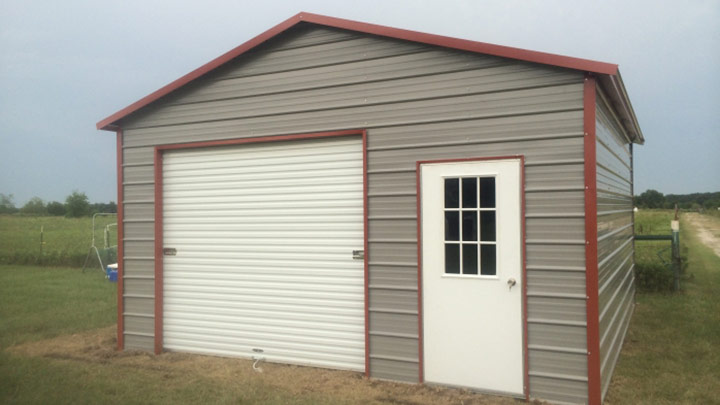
[(43, 302), (43, 381), (67, 240), (38, 303), (653, 271), (672, 351), (653, 222)]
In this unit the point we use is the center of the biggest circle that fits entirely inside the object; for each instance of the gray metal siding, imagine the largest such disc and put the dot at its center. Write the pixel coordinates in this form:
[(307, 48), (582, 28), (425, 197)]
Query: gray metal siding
[(417, 102), (615, 237)]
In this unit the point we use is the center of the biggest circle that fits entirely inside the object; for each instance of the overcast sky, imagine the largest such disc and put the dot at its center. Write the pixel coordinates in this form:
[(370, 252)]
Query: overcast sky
[(65, 65)]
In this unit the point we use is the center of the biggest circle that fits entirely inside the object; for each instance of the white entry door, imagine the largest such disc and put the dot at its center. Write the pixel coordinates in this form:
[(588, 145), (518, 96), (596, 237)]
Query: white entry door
[(472, 275)]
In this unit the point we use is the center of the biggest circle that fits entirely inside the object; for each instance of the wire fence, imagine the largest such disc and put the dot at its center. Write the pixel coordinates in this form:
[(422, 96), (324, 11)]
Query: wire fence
[(654, 265)]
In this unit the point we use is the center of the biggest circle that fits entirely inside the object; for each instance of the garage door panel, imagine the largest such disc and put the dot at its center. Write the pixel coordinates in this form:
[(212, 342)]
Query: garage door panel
[(210, 301), (270, 198), (229, 272), (263, 237), (249, 207), (238, 176), (281, 328), (302, 344), (288, 308), (326, 189), (280, 355)]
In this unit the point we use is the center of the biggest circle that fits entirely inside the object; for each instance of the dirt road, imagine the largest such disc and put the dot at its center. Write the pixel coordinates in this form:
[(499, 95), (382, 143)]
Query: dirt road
[(708, 229)]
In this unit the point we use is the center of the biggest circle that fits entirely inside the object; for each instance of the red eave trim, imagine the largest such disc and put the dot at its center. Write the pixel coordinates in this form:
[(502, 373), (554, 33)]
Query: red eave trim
[(591, 242), (109, 123)]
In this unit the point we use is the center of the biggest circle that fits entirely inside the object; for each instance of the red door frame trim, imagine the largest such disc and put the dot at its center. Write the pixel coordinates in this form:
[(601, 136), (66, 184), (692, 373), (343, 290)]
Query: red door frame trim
[(120, 248), (591, 241), (158, 155), (526, 380)]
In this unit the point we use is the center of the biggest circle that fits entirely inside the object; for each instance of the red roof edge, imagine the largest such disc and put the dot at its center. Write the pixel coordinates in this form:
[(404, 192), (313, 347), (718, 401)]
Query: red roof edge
[(109, 123)]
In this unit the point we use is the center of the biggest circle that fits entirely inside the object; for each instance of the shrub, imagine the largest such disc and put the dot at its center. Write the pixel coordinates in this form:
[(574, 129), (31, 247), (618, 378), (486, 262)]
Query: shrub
[(653, 277), (56, 208), (36, 206), (7, 206), (77, 205)]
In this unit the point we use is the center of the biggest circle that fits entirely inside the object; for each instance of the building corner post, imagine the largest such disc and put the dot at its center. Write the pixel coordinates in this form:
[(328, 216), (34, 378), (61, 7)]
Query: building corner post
[(120, 244), (591, 240)]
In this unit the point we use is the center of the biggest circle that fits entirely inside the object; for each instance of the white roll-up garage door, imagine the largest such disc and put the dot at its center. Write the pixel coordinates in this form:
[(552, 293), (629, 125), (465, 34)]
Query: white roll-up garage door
[(263, 236)]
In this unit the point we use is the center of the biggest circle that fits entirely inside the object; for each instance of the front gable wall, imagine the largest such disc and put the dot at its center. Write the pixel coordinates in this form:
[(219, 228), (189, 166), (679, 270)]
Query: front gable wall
[(418, 102)]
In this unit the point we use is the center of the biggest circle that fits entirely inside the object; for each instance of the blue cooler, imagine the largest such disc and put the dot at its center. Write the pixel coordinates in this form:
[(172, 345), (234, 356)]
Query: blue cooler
[(111, 272)]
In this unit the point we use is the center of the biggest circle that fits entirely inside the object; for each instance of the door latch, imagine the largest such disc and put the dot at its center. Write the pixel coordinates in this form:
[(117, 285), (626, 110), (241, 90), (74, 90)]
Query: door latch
[(358, 254), (511, 282)]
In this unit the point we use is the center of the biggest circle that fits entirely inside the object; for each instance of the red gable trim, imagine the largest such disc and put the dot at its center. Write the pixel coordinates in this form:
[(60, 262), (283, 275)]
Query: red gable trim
[(430, 39)]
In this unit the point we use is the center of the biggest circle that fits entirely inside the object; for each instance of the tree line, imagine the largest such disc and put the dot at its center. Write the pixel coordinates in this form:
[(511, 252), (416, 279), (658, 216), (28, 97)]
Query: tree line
[(76, 205), (695, 201)]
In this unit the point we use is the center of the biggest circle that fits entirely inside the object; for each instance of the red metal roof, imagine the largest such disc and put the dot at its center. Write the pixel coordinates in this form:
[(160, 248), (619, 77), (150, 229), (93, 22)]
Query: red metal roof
[(109, 123)]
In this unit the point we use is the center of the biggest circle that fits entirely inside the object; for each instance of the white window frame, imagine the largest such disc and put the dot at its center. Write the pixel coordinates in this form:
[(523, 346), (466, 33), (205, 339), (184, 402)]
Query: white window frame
[(478, 243)]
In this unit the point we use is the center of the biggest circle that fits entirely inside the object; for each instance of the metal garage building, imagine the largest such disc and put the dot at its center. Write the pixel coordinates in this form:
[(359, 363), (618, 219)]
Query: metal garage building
[(411, 206)]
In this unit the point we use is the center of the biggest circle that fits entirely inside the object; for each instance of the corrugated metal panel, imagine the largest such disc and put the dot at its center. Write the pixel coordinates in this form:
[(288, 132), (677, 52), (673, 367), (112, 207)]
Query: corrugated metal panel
[(527, 101), (138, 342), (425, 62), (264, 236), (358, 95), (562, 391), (537, 113), (615, 237)]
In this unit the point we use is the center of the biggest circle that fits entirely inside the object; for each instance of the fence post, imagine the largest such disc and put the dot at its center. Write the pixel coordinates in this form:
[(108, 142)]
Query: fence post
[(675, 226)]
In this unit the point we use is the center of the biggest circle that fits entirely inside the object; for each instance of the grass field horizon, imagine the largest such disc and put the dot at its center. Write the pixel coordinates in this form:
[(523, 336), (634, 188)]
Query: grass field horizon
[(66, 240)]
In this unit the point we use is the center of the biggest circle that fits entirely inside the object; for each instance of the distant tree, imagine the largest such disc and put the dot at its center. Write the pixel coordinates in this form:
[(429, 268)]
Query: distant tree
[(651, 199), (36, 206), (77, 205), (7, 206), (56, 208), (110, 207)]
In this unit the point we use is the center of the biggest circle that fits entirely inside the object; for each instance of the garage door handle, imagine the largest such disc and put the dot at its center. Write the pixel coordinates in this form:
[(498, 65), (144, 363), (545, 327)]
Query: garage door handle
[(358, 254)]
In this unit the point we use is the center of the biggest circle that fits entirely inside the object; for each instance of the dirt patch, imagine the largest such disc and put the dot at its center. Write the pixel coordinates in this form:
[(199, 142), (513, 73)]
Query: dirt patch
[(708, 230), (98, 346)]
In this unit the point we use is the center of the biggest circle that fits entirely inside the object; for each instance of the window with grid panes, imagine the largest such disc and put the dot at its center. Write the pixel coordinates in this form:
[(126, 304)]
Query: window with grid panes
[(470, 226)]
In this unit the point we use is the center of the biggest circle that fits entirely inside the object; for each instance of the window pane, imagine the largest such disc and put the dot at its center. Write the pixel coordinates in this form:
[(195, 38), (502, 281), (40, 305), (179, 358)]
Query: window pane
[(469, 193), (470, 262), (487, 260), (452, 193), (452, 225), (452, 258), (487, 192), (470, 225), (487, 226)]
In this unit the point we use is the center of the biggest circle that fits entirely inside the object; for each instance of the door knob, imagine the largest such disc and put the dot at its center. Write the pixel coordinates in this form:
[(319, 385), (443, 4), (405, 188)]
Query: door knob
[(511, 282)]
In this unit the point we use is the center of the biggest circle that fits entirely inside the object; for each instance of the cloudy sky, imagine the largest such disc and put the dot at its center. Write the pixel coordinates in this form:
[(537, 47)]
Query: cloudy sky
[(65, 65)]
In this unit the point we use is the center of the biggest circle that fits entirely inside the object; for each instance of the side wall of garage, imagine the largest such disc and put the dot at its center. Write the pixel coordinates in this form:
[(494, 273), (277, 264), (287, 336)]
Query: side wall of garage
[(417, 102), (615, 236)]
